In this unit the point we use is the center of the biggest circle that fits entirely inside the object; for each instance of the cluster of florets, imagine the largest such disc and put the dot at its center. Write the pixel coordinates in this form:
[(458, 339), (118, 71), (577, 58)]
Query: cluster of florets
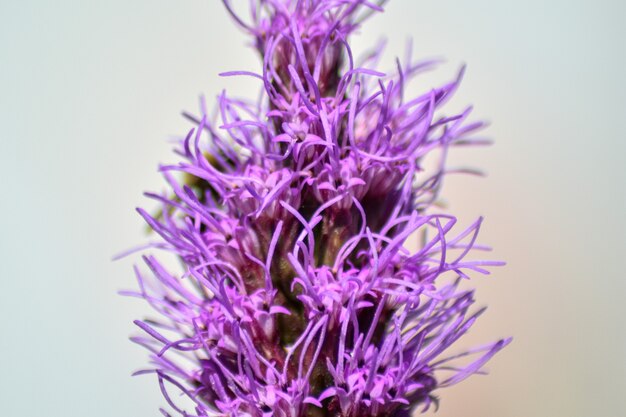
[(298, 295)]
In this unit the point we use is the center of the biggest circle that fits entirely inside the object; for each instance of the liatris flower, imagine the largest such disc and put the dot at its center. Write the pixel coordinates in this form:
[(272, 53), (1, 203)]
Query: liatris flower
[(298, 295)]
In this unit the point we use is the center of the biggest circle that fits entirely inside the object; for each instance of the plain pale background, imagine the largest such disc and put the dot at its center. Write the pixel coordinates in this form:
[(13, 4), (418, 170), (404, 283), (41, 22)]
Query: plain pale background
[(91, 91)]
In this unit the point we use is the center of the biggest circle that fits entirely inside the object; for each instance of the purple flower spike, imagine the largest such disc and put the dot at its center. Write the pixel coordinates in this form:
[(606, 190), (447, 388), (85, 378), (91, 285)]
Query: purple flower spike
[(299, 295)]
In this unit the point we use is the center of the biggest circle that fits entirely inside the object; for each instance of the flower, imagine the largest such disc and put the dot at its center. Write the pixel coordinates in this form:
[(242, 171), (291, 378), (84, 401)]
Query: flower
[(298, 295)]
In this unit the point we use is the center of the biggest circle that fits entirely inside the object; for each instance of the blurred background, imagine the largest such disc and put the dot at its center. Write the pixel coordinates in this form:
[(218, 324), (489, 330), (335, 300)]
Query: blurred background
[(90, 93)]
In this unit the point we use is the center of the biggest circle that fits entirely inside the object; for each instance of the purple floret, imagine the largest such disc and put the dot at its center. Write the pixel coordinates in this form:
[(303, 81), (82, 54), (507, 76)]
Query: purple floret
[(291, 216)]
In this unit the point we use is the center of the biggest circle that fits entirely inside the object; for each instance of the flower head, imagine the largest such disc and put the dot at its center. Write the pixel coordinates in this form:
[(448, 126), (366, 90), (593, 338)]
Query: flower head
[(299, 295)]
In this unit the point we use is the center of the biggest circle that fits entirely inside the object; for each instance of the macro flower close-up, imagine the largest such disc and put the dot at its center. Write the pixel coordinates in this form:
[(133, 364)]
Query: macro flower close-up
[(299, 295), (312, 208)]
